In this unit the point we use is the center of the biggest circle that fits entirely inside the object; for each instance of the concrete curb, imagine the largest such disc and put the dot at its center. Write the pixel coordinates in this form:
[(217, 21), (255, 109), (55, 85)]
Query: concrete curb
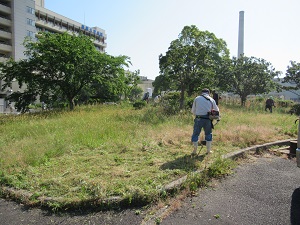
[(256, 148)]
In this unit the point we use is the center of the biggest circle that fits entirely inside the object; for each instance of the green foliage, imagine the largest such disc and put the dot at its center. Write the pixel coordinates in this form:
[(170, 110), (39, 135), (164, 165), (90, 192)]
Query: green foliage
[(171, 103), (284, 103), (161, 84), (295, 109), (245, 76), (293, 75), (191, 62), (260, 99), (23, 100), (221, 167), (135, 93), (189, 102), (59, 66), (139, 104)]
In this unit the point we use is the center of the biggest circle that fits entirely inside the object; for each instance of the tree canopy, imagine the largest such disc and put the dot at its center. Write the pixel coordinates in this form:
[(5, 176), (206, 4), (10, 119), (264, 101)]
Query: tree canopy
[(248, 75), (293, 75), (191, 62), (58, 67)]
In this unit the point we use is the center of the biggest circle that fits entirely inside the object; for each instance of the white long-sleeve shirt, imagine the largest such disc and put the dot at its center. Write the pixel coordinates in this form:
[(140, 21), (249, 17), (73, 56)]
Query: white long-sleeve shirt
[(201, 106)]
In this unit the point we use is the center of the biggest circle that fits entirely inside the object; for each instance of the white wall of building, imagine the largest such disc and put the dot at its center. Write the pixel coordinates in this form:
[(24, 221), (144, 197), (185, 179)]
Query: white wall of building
[(23, 22)]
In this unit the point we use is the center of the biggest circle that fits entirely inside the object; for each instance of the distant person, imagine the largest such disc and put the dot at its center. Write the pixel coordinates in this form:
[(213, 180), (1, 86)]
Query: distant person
[(146, 97), (157, 98), (270, 104), (215, 96)]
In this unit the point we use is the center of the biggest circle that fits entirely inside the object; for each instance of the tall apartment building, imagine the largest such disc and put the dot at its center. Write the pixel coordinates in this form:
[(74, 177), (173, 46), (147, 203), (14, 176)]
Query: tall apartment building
[(22, 18)]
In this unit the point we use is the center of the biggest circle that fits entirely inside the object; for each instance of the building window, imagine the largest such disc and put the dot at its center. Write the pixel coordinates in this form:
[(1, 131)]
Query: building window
[(30, 10), (30, 22), (30, 34)]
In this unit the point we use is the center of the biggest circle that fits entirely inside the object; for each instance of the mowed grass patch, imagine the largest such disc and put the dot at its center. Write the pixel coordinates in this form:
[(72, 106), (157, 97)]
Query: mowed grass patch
[(97, 152)]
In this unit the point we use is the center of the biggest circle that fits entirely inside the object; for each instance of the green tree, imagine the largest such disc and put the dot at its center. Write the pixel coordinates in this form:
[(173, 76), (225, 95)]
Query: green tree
[(135, 93), (160, 84), (249, 75), (191, 61), (293, 75), (131, 81), (59, 66), (110, 90)]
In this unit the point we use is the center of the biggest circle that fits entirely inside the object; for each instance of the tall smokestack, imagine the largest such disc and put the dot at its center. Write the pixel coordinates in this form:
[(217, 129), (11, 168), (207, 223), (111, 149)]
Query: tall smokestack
[(241, 34)]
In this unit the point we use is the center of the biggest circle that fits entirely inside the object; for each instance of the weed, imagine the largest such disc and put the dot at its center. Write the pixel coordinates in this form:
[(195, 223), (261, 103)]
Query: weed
[(157, 220), (221, 167), (217, 216)]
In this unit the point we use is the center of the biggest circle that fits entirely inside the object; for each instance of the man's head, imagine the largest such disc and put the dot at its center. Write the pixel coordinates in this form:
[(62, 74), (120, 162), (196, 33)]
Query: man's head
[(205, 91)]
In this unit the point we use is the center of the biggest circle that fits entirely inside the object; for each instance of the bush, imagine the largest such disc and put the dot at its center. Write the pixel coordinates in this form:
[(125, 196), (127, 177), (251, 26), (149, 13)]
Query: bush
[(171, 103), (295, 109), (139, 104), (284, 103), (259, 99), (189, 102)]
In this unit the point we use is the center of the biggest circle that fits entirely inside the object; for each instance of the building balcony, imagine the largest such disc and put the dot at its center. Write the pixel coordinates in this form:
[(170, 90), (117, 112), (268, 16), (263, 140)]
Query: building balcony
[(5, 35), (5, 47), (42, 23), (5, 9), (100, 44), (5, 22)]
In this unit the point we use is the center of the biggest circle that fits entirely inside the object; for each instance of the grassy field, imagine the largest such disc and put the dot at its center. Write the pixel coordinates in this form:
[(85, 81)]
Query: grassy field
[(96, 152)]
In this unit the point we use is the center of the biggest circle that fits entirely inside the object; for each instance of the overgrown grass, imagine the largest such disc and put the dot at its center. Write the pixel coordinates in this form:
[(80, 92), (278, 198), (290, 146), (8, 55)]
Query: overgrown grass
[(96, 152)]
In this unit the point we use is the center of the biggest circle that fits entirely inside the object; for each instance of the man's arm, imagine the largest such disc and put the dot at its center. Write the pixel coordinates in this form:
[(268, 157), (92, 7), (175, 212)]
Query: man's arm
[(194, 108)]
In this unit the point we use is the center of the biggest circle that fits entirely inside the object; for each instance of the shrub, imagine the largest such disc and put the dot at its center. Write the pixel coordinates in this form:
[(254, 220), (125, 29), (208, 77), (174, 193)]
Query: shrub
[(139, 104), (189, 102), (295, 109), (171, 103), (284, 103)]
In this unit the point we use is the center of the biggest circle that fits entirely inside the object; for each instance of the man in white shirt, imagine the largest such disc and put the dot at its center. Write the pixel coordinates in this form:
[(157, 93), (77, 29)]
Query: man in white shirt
[(202, 105)]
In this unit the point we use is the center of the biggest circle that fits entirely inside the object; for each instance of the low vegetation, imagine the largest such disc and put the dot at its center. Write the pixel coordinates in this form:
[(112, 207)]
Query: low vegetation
[(102, 151)]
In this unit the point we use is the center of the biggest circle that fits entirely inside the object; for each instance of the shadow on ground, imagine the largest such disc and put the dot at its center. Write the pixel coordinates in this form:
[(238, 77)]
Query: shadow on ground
[(186, 163)]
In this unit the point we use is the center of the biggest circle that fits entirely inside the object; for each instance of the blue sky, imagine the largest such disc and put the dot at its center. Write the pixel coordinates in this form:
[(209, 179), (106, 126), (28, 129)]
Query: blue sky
[(144, 29)]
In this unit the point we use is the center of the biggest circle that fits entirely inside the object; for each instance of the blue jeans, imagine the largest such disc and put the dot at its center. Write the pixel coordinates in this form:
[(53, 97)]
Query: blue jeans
[(200, 123)]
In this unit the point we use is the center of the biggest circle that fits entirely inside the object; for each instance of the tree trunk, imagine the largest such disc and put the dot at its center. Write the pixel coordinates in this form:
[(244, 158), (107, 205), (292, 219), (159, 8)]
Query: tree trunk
[(243, 100), (182, 98), (71, 103)]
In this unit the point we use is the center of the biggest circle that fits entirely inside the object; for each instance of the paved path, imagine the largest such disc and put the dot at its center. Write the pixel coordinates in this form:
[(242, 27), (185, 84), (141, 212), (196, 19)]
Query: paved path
[(264, 192)]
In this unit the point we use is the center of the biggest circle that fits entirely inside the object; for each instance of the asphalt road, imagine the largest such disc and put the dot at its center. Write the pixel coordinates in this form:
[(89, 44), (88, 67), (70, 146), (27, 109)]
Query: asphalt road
[(264, 191)]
